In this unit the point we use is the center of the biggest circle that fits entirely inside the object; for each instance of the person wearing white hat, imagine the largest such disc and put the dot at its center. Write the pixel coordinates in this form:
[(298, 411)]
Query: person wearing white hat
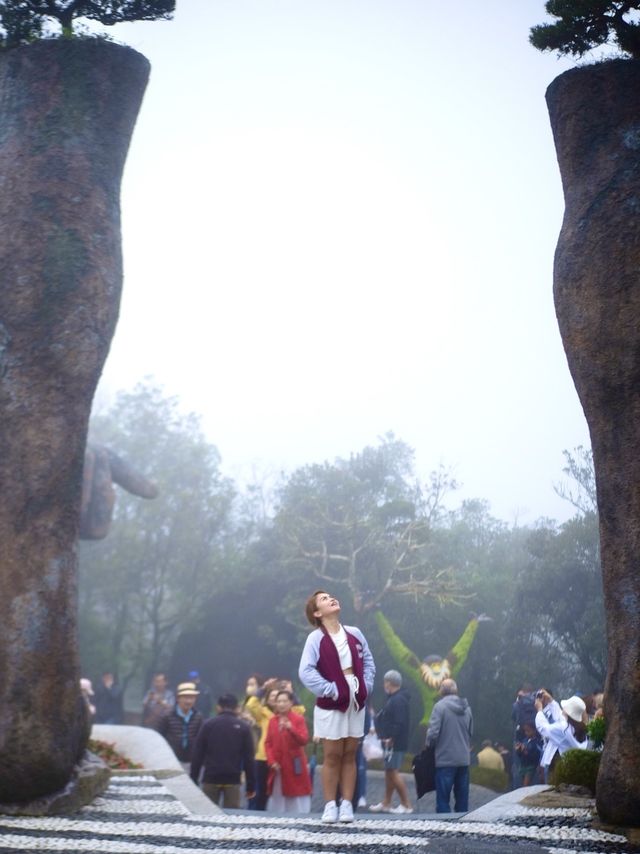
[(182, 725), (568, 733)]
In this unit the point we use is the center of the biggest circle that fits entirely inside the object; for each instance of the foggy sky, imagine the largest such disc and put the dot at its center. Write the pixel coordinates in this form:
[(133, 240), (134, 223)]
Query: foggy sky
[(339, 219)]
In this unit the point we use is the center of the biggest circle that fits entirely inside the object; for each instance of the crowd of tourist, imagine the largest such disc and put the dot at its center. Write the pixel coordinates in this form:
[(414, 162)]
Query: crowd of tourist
[(265, 738)]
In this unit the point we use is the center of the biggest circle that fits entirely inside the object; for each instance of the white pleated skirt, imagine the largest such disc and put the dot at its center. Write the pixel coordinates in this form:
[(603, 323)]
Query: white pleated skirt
[(333, 724)]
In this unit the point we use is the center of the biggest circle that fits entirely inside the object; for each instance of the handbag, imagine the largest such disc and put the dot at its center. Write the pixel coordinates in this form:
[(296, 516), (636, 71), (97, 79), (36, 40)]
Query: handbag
[(424, 770), (372, 747)]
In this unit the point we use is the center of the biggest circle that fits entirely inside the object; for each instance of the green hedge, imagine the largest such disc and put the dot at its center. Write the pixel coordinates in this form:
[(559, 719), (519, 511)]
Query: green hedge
[(578, 768), (490, 778)]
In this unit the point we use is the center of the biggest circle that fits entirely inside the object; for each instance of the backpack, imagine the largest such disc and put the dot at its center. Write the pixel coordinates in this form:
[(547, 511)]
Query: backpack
[(524, 711)]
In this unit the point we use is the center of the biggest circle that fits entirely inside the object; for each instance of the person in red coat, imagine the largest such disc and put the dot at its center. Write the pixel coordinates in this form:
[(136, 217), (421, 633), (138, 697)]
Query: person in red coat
[(289, 783)]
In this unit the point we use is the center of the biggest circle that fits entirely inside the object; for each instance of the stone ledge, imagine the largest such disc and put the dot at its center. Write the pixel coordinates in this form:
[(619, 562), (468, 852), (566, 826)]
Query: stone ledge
[(139, 744), (504, 806), (149, 749)]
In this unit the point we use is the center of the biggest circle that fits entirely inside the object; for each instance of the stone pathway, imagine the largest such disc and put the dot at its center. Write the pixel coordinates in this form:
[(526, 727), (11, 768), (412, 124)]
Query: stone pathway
[(140, 815)]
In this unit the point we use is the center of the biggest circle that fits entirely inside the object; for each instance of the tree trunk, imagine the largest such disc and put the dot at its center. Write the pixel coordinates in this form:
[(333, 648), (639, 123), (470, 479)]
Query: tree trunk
[(595, 116), (67, 111)]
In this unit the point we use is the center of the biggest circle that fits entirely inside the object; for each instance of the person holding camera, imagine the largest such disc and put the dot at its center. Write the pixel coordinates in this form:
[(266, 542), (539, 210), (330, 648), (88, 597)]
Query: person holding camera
[(548, 712), (570, 732), (158, 702), (289, 783)]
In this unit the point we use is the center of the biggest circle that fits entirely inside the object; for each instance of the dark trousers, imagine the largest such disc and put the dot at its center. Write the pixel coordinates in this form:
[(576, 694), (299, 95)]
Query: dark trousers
[(456, 778), (259, 802), (228, 793)]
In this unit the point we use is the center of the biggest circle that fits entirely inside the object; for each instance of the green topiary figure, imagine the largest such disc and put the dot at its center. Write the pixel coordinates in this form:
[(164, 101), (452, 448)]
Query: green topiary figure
[(427, 675), (585, 24), (577, 768)]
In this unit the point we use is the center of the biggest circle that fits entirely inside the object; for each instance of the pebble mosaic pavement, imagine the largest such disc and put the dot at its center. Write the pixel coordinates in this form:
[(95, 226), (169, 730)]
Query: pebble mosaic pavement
[(138, 815)]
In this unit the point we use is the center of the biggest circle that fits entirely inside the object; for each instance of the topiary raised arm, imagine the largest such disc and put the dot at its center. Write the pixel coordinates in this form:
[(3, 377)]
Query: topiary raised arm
[(25, 20), (585, 24)]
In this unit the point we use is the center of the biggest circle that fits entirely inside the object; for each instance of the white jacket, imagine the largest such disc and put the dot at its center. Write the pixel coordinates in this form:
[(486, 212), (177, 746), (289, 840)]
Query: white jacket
[(559, 737), (551, 714)]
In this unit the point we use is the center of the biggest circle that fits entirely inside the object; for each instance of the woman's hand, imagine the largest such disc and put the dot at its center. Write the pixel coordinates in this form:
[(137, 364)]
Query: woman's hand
[(542, 699), (275, 766)]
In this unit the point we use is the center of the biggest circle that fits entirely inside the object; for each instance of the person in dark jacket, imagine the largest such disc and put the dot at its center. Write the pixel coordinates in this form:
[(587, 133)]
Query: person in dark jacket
[(182, 725), (108, 700), (450, 729), (224, 748), (392, 727)]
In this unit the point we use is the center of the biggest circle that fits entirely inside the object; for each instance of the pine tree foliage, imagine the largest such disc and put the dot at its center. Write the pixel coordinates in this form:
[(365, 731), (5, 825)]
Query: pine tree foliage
[(582, 25), (23, 21)]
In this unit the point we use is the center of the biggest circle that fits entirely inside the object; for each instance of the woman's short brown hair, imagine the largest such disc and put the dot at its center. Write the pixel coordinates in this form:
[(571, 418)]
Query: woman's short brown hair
[(310, 608), (288, 694)]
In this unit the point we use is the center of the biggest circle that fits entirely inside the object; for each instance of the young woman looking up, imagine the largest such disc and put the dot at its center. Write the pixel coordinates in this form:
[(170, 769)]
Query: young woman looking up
[(337, 666)]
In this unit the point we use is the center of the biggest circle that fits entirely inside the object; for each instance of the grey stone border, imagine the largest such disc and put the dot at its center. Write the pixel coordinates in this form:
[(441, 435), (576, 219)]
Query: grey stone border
[(149, 749)]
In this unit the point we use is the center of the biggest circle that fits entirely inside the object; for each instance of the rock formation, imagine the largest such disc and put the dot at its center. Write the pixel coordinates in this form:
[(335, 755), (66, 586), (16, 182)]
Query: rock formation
[(67, 111), (103, 468), (595, 116)]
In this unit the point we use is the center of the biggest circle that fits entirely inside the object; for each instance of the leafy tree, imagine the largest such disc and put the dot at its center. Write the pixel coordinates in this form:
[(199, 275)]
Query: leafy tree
[(147, 582), (18, 22), (579, 467), (559, 597), (585, 24), (362, 525), (24, 20)]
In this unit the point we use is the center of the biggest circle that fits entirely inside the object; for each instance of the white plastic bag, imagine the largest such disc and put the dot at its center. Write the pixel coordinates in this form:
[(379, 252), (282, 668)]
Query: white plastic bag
[(372, 747)]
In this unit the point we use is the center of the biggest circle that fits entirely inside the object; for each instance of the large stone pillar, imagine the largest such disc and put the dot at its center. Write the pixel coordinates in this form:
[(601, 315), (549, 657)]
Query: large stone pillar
[(595, 116), (67, 111)]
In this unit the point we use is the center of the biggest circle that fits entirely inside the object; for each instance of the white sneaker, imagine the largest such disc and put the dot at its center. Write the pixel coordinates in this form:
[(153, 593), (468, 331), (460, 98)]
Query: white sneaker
[(330, 814), (379, 808), (362, 802), (346, 811), (401, 810)]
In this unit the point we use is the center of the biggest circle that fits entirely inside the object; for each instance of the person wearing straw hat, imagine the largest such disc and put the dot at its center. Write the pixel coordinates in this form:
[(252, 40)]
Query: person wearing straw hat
[(570, 732), (182, 725)]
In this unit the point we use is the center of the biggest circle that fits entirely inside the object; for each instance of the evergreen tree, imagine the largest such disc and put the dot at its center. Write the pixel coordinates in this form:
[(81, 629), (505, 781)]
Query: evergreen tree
[(584, 24), (25, 20)]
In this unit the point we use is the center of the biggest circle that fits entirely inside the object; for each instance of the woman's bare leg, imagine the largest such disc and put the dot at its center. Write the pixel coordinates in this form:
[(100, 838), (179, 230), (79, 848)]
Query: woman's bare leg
[(348, 770), (401, 788), (331, 764)]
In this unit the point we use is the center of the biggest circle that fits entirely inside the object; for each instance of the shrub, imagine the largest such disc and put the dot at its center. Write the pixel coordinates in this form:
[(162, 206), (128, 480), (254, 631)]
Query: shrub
[(597, 729), (578, 768), (490, 778)]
